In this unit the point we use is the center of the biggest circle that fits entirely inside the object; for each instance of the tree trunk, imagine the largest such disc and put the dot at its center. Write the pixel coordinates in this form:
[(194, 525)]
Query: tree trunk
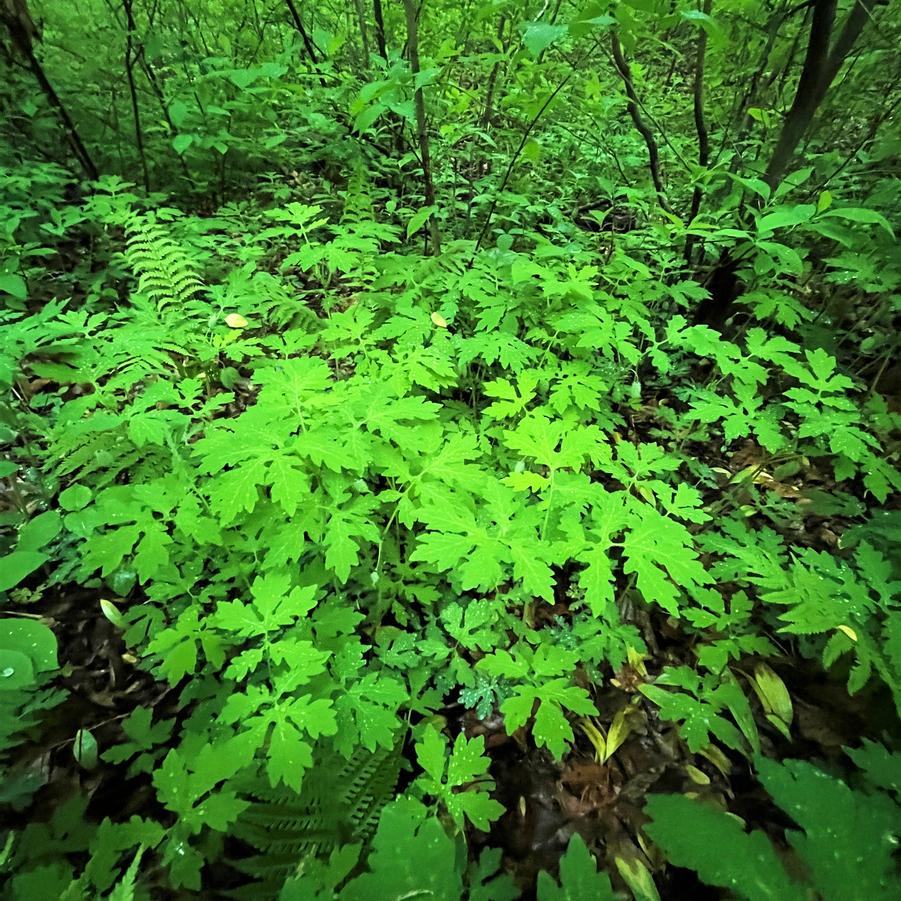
[(625, 73), (421, 123), (821, 65), (379, 18), (364, 36), (128, 7), (308, 44), (701, 128), (15, 16)]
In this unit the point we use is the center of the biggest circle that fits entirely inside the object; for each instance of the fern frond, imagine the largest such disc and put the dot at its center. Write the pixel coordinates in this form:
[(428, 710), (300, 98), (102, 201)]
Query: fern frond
[(165, 272), (337, 805)]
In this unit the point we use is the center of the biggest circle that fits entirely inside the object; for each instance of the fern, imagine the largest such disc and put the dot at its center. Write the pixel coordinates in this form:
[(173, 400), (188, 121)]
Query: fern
[(165, 272), (341, 804)]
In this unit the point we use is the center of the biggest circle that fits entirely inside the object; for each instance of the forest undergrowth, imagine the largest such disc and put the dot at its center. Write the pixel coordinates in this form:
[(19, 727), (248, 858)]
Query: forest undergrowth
[(450, 450)]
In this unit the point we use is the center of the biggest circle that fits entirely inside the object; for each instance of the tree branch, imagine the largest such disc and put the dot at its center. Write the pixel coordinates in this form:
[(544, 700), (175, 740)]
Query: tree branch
[(807, 93), (700, 127), (625, 73), (412, 15)]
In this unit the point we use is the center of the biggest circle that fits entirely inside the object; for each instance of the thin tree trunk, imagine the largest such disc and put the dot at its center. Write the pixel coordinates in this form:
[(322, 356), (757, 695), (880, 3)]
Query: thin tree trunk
[(379, 18), (18, 21), (701, 128), (364, 36), (127, 5), (805, 103), (150, 75), (488, 110), (308, 44), (625, 73), (821, 65), (740, 118), (421, 123)]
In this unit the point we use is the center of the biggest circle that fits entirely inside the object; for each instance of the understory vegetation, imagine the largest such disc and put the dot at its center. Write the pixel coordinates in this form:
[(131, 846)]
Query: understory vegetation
[(449, 449)]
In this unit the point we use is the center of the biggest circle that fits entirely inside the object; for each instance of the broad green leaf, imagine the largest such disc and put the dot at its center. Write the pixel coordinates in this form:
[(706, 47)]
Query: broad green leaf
[(178, 112), (538, 36), (701, 838), (13, 285), (785, 217), (418, 219), (849, 838), (31, 638), (181, 143), (579, 877), (75, 497), (863, 216), (85, 749), (412, 856), (19, 565), (16, 670)]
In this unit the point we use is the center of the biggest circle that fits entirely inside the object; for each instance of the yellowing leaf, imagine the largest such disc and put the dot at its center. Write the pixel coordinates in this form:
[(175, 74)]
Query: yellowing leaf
[(697, 776), (618, 732), (235, 320), (593, 734), (637, 876), (111, 612), (439, 320), (772, 693), (717, 758)]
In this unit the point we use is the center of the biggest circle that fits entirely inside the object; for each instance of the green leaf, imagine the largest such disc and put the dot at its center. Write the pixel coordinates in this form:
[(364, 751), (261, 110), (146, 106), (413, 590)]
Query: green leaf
[(579, 877), (467, 760), (14, 285), (849, 837), (430, 752), (236, 491), (855, 214), (85, 749), (19, 565), (417, 220), (31, 638), (243, 78), (536, 576), (714, 844), (367, 117), (460, 793), (412, 857), (289, 755), (657, 547), (16, 671), (637, 876), (597, 581), (785, 217), (538, 36), (180, 143), (882, 767), (477, 807), (75, 497), (757, 185), (178, 112)]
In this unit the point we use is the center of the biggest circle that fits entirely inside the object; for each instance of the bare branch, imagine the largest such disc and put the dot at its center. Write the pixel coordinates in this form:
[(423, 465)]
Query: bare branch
[(625, 73)]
